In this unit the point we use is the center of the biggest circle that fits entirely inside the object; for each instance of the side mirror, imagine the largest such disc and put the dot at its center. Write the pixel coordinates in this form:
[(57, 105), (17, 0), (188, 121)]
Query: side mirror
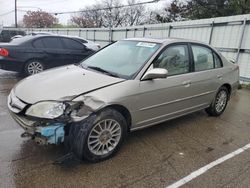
[(232, 60), (155, 73)]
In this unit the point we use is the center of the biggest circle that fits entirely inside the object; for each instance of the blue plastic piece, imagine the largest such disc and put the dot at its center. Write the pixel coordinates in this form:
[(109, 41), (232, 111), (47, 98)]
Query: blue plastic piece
[(54, 133)]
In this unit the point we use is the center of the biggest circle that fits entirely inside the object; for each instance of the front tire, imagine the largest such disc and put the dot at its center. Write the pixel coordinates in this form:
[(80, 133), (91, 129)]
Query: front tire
[(100, 136), (219, 103)]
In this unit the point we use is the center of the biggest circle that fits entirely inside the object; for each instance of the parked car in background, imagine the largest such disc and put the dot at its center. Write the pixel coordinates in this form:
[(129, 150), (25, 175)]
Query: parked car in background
[(7, 34), (16, 37), (33, 34), (126, 86), (89, 44), (33, 54), (41, 33)]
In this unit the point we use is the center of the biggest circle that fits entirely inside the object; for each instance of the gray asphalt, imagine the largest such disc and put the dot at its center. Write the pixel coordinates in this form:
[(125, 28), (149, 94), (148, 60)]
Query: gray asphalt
[(154, 157)]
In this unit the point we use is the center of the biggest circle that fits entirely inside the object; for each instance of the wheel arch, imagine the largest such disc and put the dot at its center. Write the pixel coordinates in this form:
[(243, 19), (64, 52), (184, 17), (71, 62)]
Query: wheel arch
[(124, 111), (229, 88)]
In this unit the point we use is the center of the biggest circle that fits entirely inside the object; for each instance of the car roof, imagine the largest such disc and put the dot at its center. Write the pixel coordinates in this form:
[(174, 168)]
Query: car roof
[(29, 38), (44, 36), (162, 40)]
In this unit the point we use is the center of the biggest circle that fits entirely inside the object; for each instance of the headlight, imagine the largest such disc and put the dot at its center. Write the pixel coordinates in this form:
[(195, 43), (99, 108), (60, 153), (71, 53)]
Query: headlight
[(49, 110)]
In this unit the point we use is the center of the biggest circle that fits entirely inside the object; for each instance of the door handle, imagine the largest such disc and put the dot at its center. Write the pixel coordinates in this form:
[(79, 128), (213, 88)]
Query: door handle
[(219, 76), (186, 83)]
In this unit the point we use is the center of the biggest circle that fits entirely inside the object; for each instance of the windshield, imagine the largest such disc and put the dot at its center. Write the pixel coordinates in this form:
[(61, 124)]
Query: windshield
[(123, 58)]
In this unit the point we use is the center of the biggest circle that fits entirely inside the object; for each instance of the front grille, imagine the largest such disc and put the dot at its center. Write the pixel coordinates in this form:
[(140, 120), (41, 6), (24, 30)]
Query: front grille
[(15, 104)]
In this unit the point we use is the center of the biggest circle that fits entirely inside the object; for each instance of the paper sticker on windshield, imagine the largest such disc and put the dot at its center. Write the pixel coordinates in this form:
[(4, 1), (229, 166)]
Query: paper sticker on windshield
[(146, 44)]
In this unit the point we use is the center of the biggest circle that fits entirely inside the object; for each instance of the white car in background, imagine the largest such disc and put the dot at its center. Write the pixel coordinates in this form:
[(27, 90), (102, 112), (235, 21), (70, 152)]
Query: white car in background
[(89, 44)]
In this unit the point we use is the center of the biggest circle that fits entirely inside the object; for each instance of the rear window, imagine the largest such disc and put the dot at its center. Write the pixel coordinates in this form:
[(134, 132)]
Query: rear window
[(217, 61), (72, 44)]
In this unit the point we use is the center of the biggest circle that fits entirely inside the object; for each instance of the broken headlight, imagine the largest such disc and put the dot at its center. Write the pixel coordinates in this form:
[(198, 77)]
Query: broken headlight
[(47, 109)]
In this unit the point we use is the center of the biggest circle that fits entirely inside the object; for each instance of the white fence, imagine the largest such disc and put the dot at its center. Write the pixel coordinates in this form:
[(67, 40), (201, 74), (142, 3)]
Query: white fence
[(231, 35)]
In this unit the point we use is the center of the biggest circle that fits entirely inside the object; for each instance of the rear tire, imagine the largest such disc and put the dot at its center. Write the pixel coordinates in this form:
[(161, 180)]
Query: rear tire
[(33, 67), (99, 137), (218, 106)]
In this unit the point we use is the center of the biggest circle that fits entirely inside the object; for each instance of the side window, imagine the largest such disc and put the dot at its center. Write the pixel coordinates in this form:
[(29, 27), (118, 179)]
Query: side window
[(217, 61), (72, 44), (38, 43), (203, 58), (52, 43), (5, 33), (175, 59), (20, 33), (12, 33)]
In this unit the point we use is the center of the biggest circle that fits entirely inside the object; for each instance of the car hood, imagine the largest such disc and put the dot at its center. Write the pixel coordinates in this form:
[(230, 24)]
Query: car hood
[(62, 83)]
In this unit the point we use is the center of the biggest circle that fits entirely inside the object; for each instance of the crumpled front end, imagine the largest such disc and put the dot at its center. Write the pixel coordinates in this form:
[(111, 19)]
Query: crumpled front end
[(43, 132), (51, 130)]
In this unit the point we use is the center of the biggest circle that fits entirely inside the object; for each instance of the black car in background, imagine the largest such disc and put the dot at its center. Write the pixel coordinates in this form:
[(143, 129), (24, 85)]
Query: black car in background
[(7, 34), (33, 54)]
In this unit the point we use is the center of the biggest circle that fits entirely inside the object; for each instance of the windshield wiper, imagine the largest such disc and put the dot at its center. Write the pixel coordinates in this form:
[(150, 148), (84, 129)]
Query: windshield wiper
[(103, 71)]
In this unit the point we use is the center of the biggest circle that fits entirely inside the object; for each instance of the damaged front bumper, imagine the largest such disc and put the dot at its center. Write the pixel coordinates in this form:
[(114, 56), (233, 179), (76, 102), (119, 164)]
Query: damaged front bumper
[(51, 133)]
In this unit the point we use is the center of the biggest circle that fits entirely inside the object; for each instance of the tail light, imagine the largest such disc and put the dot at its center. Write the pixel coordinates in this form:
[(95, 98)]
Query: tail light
[(4, 52)]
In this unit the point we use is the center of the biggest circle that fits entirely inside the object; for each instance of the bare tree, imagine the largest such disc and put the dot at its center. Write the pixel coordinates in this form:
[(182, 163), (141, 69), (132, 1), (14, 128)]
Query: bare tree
[(91, 16), (113, 14), (172, 12), (82, 22), (110, 13), (135, 15), (39, 19)]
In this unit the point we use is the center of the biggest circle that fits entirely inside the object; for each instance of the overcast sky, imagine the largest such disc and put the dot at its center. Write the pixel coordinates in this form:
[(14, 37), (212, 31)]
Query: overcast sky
[(7, 8)]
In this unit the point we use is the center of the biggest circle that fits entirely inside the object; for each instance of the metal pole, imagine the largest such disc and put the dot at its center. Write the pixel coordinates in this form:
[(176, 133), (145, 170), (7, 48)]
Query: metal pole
[(94, 35), (126, 33), (134, 31), (144, 30), (169, 30), (211, 33), (111, 35), (110, 26), (241, 39), (16, 13)]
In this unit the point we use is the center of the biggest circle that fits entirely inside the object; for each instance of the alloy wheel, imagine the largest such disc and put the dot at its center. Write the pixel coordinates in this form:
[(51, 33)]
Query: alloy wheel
[(34, 68), (104, 137), (221, 101)]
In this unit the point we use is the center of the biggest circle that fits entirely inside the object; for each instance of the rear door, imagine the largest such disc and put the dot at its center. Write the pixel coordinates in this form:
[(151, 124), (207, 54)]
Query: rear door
[(207, 75), (76, 50)]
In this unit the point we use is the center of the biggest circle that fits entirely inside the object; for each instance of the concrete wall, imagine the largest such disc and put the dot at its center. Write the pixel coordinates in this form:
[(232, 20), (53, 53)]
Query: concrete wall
[(231, 35)]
